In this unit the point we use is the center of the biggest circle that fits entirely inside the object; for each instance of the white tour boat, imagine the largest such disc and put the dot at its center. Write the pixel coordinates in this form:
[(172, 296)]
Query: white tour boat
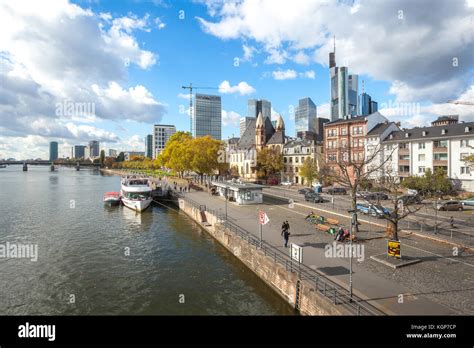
[(136, 193)]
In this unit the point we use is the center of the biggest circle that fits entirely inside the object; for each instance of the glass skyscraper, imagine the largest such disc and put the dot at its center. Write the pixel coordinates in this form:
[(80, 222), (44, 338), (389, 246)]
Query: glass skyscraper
[(94, 148), (353, 94), (305, 116), (207, 118), (149, 146), (367, 105), (256, 106), (53, 151)]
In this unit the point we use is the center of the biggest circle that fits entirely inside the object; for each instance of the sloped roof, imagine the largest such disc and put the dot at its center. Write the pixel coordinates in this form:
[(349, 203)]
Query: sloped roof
[(457, 129), (277, 138), (380, 128)]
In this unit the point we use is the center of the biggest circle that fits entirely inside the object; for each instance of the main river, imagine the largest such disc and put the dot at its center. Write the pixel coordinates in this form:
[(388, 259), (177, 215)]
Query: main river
[(98, 260)]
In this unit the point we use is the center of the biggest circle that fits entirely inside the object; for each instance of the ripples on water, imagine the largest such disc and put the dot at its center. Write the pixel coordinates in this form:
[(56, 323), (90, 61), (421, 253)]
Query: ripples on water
[(82, 252)]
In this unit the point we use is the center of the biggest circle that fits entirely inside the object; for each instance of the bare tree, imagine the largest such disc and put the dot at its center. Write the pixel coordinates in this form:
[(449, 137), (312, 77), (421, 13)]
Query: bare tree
[(352, 168), (403, 205)]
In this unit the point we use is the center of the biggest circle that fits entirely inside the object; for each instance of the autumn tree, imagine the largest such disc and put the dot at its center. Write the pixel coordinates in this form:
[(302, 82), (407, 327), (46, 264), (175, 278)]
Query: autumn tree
[(430, 184), (269, 162), (309, 170), (203, 152), (176, 155)]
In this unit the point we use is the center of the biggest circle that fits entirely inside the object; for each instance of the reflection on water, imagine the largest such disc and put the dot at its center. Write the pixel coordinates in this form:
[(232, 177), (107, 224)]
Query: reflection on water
[(81, 251)]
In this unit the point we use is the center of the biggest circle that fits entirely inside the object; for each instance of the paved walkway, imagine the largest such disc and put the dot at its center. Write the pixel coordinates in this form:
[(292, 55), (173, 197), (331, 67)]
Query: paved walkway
[(376, 283)]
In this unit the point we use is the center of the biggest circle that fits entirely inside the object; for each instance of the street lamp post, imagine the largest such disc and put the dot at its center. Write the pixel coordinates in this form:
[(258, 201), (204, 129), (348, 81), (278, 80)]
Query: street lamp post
[(353, 220), (226, 203)]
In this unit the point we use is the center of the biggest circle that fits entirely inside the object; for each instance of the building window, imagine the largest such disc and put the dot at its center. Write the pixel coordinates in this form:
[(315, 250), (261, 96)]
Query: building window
[(465, 170), (343, 131), (421, 157), (404, 157), (291, 159), (284, 159), (297, 160), (421, 145), (440, 156), (421, 170), (357, 130), (332, 132), (441, 143), (465, 143), (331, 158)]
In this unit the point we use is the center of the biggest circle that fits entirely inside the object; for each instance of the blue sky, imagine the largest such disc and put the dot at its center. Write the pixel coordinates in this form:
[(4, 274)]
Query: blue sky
[(130, 59)]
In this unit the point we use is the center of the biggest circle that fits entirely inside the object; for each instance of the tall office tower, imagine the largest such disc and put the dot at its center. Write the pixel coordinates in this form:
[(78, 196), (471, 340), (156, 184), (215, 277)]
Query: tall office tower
[(207, 118), (305, 116), (244, 122), (149, 146), (53, 151), (364, 102), (79, 151), (161, 135), (112, 153), (374, 107), (343, 91), (339, 79), (353, 94), (259, 106), (94, 148)]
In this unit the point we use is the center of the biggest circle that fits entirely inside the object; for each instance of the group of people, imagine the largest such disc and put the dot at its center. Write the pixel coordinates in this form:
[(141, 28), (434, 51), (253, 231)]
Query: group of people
[(181, 188), (285, 232)]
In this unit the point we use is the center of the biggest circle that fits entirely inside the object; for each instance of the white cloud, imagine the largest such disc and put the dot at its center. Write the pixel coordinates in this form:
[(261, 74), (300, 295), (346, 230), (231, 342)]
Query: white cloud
[(55, 52), (159, 23), (301, 58), (230, 118), (310, 74), (183, 95), (417, 50), (284, 74), (242, 88), (249, 51)]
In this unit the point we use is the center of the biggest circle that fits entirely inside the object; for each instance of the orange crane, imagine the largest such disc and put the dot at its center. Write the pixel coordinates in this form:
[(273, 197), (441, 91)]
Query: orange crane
[(191, 87)]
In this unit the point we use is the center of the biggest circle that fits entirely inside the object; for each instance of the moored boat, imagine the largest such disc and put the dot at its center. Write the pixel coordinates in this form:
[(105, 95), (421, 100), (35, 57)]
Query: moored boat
[(136, 193), (112, 198)]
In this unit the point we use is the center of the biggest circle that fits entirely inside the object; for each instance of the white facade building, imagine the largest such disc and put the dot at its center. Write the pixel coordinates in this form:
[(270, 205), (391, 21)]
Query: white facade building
[(161, 135), (439, 146)]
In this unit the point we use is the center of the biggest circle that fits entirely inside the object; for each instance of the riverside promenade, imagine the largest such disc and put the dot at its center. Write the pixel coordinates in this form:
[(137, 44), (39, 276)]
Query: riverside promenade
[(438, 285)]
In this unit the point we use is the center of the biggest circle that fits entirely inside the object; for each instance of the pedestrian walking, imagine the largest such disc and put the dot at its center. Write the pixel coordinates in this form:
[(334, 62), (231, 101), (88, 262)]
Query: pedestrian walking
[(287, 225), (286, 237)]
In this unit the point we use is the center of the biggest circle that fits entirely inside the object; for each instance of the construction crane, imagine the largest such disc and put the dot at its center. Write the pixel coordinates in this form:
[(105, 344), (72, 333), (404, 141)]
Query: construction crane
[(461, 102), (191, 87)]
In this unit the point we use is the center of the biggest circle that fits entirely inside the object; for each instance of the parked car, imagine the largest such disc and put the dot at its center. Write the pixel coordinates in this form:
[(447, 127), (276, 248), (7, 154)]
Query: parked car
[(286, 183), (375, 196), (372, 209), (409, 199), (469, 202), (449, 205), (304, 190), (337, 191), (313, 197)]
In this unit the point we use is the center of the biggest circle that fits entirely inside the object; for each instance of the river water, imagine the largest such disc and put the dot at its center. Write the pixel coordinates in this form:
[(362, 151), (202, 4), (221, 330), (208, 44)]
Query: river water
[(92, 259)]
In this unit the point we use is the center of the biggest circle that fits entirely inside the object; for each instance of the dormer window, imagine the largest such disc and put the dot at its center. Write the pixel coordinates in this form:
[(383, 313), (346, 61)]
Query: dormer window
[(391, 136), (423, 133), (407, 135), (466, 130), (443, 131)]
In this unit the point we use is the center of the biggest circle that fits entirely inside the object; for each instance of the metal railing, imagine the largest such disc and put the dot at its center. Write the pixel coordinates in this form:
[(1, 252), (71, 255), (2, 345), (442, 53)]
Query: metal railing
[(337, 294)]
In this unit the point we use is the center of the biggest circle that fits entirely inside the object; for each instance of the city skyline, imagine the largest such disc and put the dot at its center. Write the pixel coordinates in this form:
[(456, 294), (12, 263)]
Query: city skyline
[(136, 66)]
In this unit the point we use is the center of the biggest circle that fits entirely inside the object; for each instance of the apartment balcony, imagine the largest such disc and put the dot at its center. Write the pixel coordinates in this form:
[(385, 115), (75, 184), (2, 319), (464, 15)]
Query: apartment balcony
[(440, 163), (404, 174), (440, 149), (405, 162), (403, 151)]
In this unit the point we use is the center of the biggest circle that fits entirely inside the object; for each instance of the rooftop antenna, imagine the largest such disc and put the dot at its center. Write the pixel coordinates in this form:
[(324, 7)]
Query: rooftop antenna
[(363, 88), (334, 44)]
